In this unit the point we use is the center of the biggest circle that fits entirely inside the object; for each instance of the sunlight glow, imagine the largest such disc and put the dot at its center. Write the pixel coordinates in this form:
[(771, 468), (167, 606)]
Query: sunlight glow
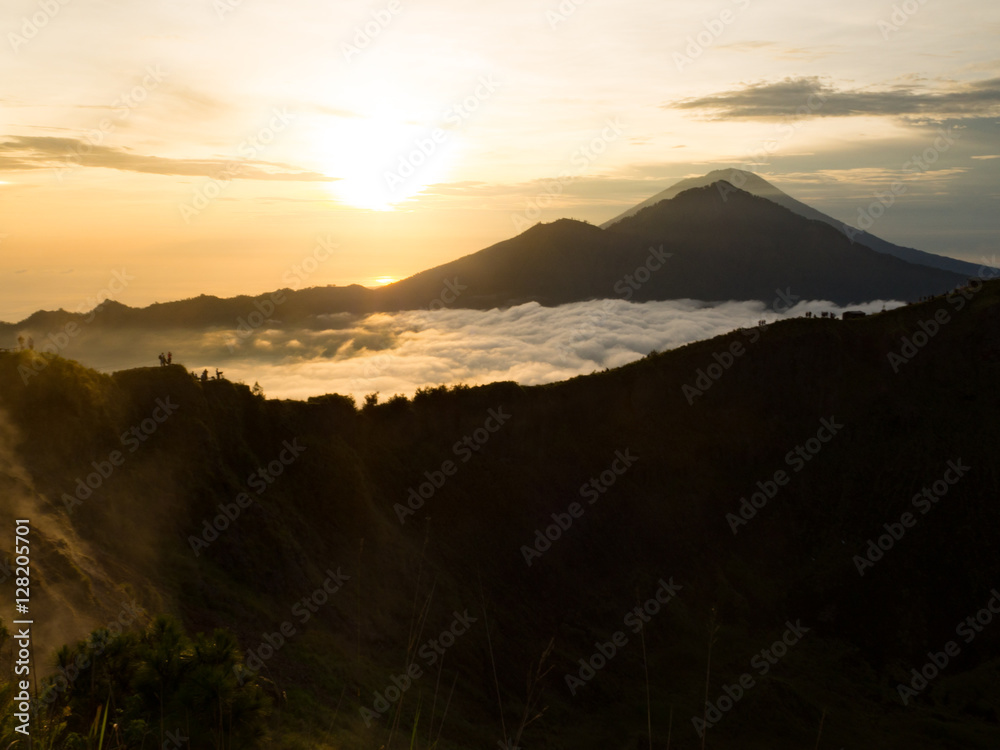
[(383, 158)]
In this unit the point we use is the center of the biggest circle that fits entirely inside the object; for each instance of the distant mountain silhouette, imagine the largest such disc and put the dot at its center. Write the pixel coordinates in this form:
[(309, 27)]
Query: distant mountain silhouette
[(723, 247), (723, 243), (757, 185), (729, 244)]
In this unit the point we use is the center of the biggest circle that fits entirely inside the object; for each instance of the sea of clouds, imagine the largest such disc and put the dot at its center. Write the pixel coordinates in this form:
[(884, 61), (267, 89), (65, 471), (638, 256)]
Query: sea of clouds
[(400, 352)]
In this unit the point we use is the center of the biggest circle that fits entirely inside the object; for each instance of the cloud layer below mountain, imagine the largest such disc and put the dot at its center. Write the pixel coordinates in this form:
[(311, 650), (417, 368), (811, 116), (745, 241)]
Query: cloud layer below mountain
[(401, 352)]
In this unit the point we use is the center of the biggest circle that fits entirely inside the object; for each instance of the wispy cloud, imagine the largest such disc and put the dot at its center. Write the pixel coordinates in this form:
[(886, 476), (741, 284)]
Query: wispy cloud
[(783, 99), (44, 152), (864, 178)]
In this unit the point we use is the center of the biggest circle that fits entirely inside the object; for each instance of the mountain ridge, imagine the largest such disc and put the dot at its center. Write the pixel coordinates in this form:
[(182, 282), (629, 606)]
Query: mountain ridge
[(756, 185), (569, 261)]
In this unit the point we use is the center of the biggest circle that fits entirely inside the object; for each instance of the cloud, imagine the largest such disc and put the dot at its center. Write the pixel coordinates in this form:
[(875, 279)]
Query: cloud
[(785, 98), (782, 52), (45, 152), (401, 352), (863, 179), (638, 184)]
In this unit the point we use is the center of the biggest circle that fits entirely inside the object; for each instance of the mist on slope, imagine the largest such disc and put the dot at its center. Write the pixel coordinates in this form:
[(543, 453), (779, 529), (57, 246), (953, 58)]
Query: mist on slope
[(71, 592), (401, 352)]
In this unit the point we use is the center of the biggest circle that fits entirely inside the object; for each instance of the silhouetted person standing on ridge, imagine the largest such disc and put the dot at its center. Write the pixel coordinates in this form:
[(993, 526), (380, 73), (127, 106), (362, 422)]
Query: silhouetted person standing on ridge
[(163, 360), (204, 376), (170, 357)]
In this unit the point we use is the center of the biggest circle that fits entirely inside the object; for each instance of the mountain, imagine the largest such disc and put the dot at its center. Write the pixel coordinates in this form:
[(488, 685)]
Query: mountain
[(553, 264), (207, 310), (757, 185), (729, 244), (801, 514), (700, 244)]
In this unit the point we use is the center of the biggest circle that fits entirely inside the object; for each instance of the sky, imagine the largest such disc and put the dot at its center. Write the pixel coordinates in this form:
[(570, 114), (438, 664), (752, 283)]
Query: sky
[(165, 150)]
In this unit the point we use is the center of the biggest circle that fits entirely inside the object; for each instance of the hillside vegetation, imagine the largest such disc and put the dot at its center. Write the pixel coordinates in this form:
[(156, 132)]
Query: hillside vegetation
[(370, 563)]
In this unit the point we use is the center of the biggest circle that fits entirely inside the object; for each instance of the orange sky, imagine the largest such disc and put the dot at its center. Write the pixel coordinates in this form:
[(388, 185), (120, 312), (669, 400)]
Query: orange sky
[(211, 145)]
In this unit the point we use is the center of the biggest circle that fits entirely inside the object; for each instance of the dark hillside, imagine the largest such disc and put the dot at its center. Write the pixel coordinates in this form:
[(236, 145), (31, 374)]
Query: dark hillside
[(813, 410)]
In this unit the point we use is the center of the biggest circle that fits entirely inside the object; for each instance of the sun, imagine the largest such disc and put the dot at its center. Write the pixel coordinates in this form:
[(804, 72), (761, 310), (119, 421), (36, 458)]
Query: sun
[(382, 159), (384, 280)]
